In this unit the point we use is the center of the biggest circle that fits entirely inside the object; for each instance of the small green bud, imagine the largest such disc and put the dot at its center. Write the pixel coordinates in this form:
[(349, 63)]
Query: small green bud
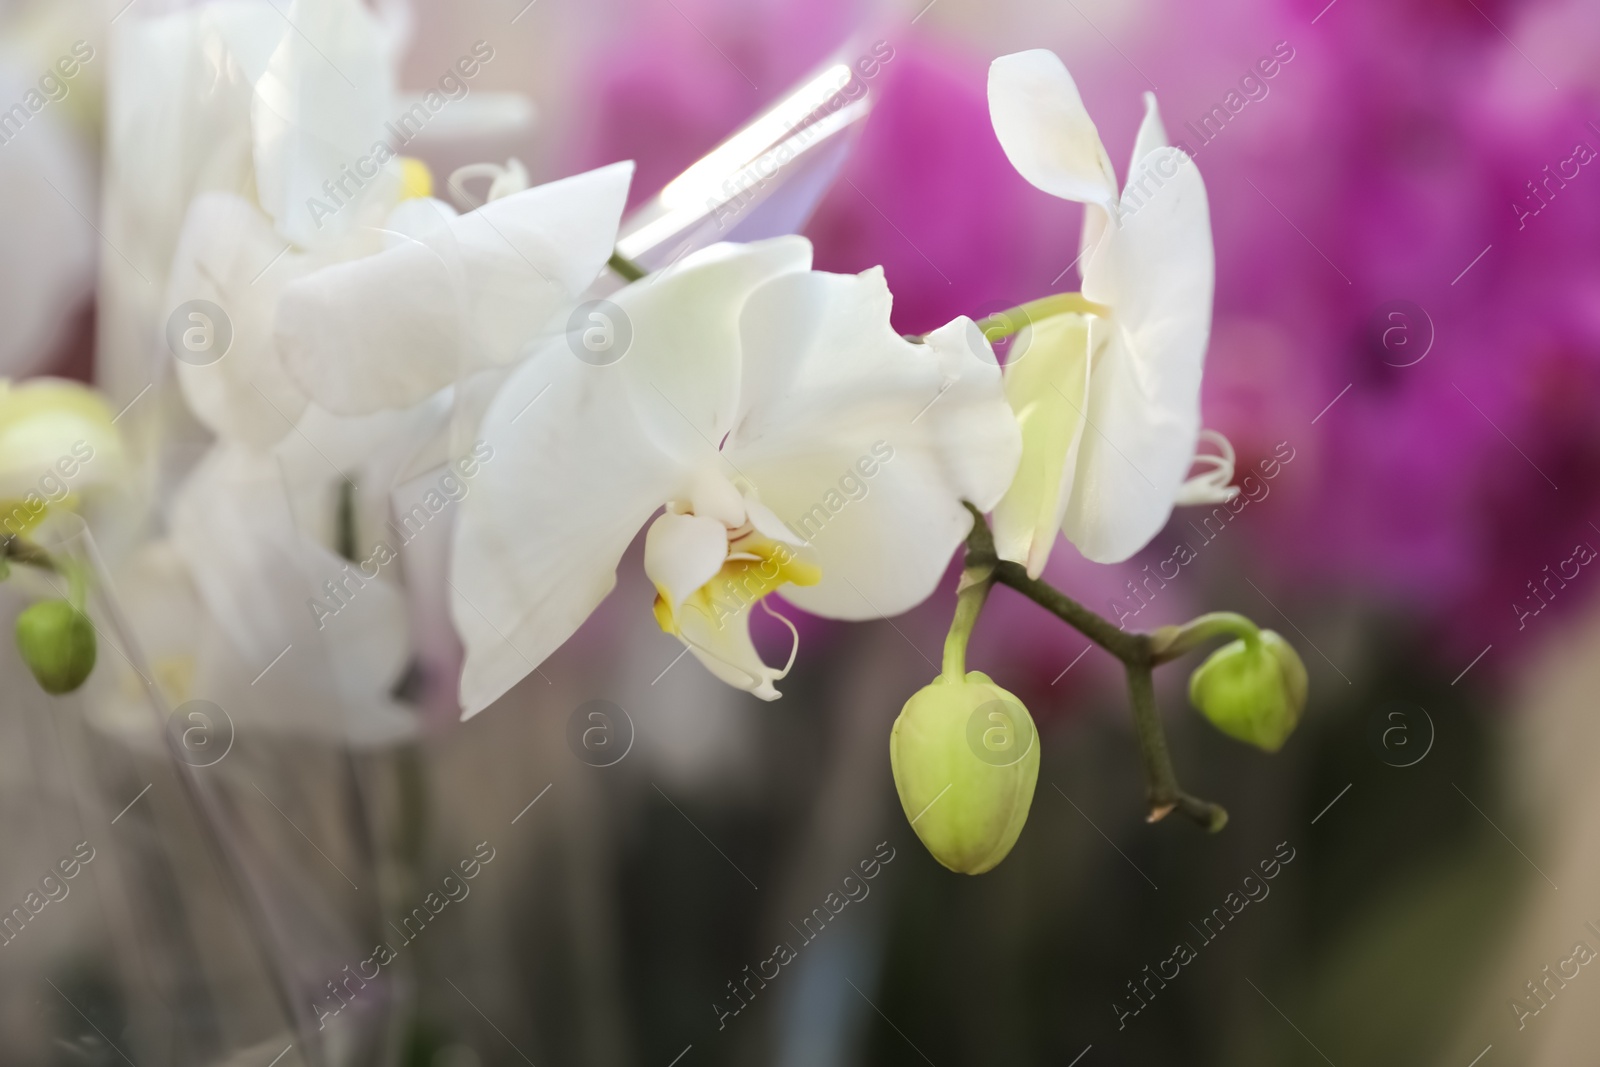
[(965, 756), (1252, 690), (57, 643)]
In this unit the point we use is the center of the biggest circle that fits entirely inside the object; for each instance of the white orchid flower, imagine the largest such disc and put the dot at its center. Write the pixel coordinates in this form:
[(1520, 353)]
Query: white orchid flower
[(1109, 401), (795, 442)]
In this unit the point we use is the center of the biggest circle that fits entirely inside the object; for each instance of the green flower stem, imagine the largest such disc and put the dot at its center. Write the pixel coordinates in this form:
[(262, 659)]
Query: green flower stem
[(626, 267), (16, 549), (1129, 647), (77, 584), (1140, 653), (976, 581), (1161, 781), (1170, 642), (1003, 324), (345, 532)]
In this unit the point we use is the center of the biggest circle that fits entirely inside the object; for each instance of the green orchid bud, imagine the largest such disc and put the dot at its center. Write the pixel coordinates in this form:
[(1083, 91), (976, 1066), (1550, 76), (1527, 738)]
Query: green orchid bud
[(57, 643), (966, 758), (1252, 689)]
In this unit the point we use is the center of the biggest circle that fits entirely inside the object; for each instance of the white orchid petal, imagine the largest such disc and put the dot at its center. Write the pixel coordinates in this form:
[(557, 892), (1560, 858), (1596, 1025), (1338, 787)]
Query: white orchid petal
[(685, 357), (1152, 134), (229, 254), (333, 689), (713, 496), (724, 646), (373, 452), (252, 32), (258, 573), (769, 525), (1095, 221), (317, 113), (1047, 389), (231, 521), (1158, 275), (531, 254), (865, 443), (1045, 130), (683, 553), (416, 219), (572, 479), (466, 293)]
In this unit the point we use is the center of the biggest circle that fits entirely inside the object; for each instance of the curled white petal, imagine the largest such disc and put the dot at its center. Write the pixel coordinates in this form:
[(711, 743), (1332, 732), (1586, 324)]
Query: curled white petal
[(503, 181), (1212, 484), (725, 648)]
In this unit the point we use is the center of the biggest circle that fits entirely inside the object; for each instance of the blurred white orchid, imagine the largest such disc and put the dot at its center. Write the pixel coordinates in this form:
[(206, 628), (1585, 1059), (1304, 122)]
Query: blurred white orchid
[(305, 177), (752, 390), (251, 572), (335, 685), (245, 99), (1109, 401), (230, 255)]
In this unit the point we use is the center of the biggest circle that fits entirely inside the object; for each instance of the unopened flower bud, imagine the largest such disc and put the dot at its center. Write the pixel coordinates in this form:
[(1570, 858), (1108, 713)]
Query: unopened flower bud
[(57, 643), (1252, 690), (965, 757)]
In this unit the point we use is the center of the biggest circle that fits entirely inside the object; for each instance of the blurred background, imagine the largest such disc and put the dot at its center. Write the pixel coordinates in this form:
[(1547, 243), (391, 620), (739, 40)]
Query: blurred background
[(1406, 354)]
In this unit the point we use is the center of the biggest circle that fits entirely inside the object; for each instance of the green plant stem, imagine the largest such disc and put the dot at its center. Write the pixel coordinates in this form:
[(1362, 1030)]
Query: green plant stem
[(345, 534), (976, 582), (1137, 651), (16, 549), (1170, 642), (1162, 792), (1003, 324), (626, 267), (1128, 646)]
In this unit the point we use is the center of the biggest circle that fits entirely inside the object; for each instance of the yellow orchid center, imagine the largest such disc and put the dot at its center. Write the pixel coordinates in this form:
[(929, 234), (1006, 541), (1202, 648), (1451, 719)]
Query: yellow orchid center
[(416, 180), (756, 565)]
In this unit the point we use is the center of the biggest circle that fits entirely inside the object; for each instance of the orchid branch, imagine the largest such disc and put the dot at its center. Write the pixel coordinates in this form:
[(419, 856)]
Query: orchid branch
[(1170, 642), (977, 578), (17, 550), (627, 268), (1140, 654), (1003, 324)]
